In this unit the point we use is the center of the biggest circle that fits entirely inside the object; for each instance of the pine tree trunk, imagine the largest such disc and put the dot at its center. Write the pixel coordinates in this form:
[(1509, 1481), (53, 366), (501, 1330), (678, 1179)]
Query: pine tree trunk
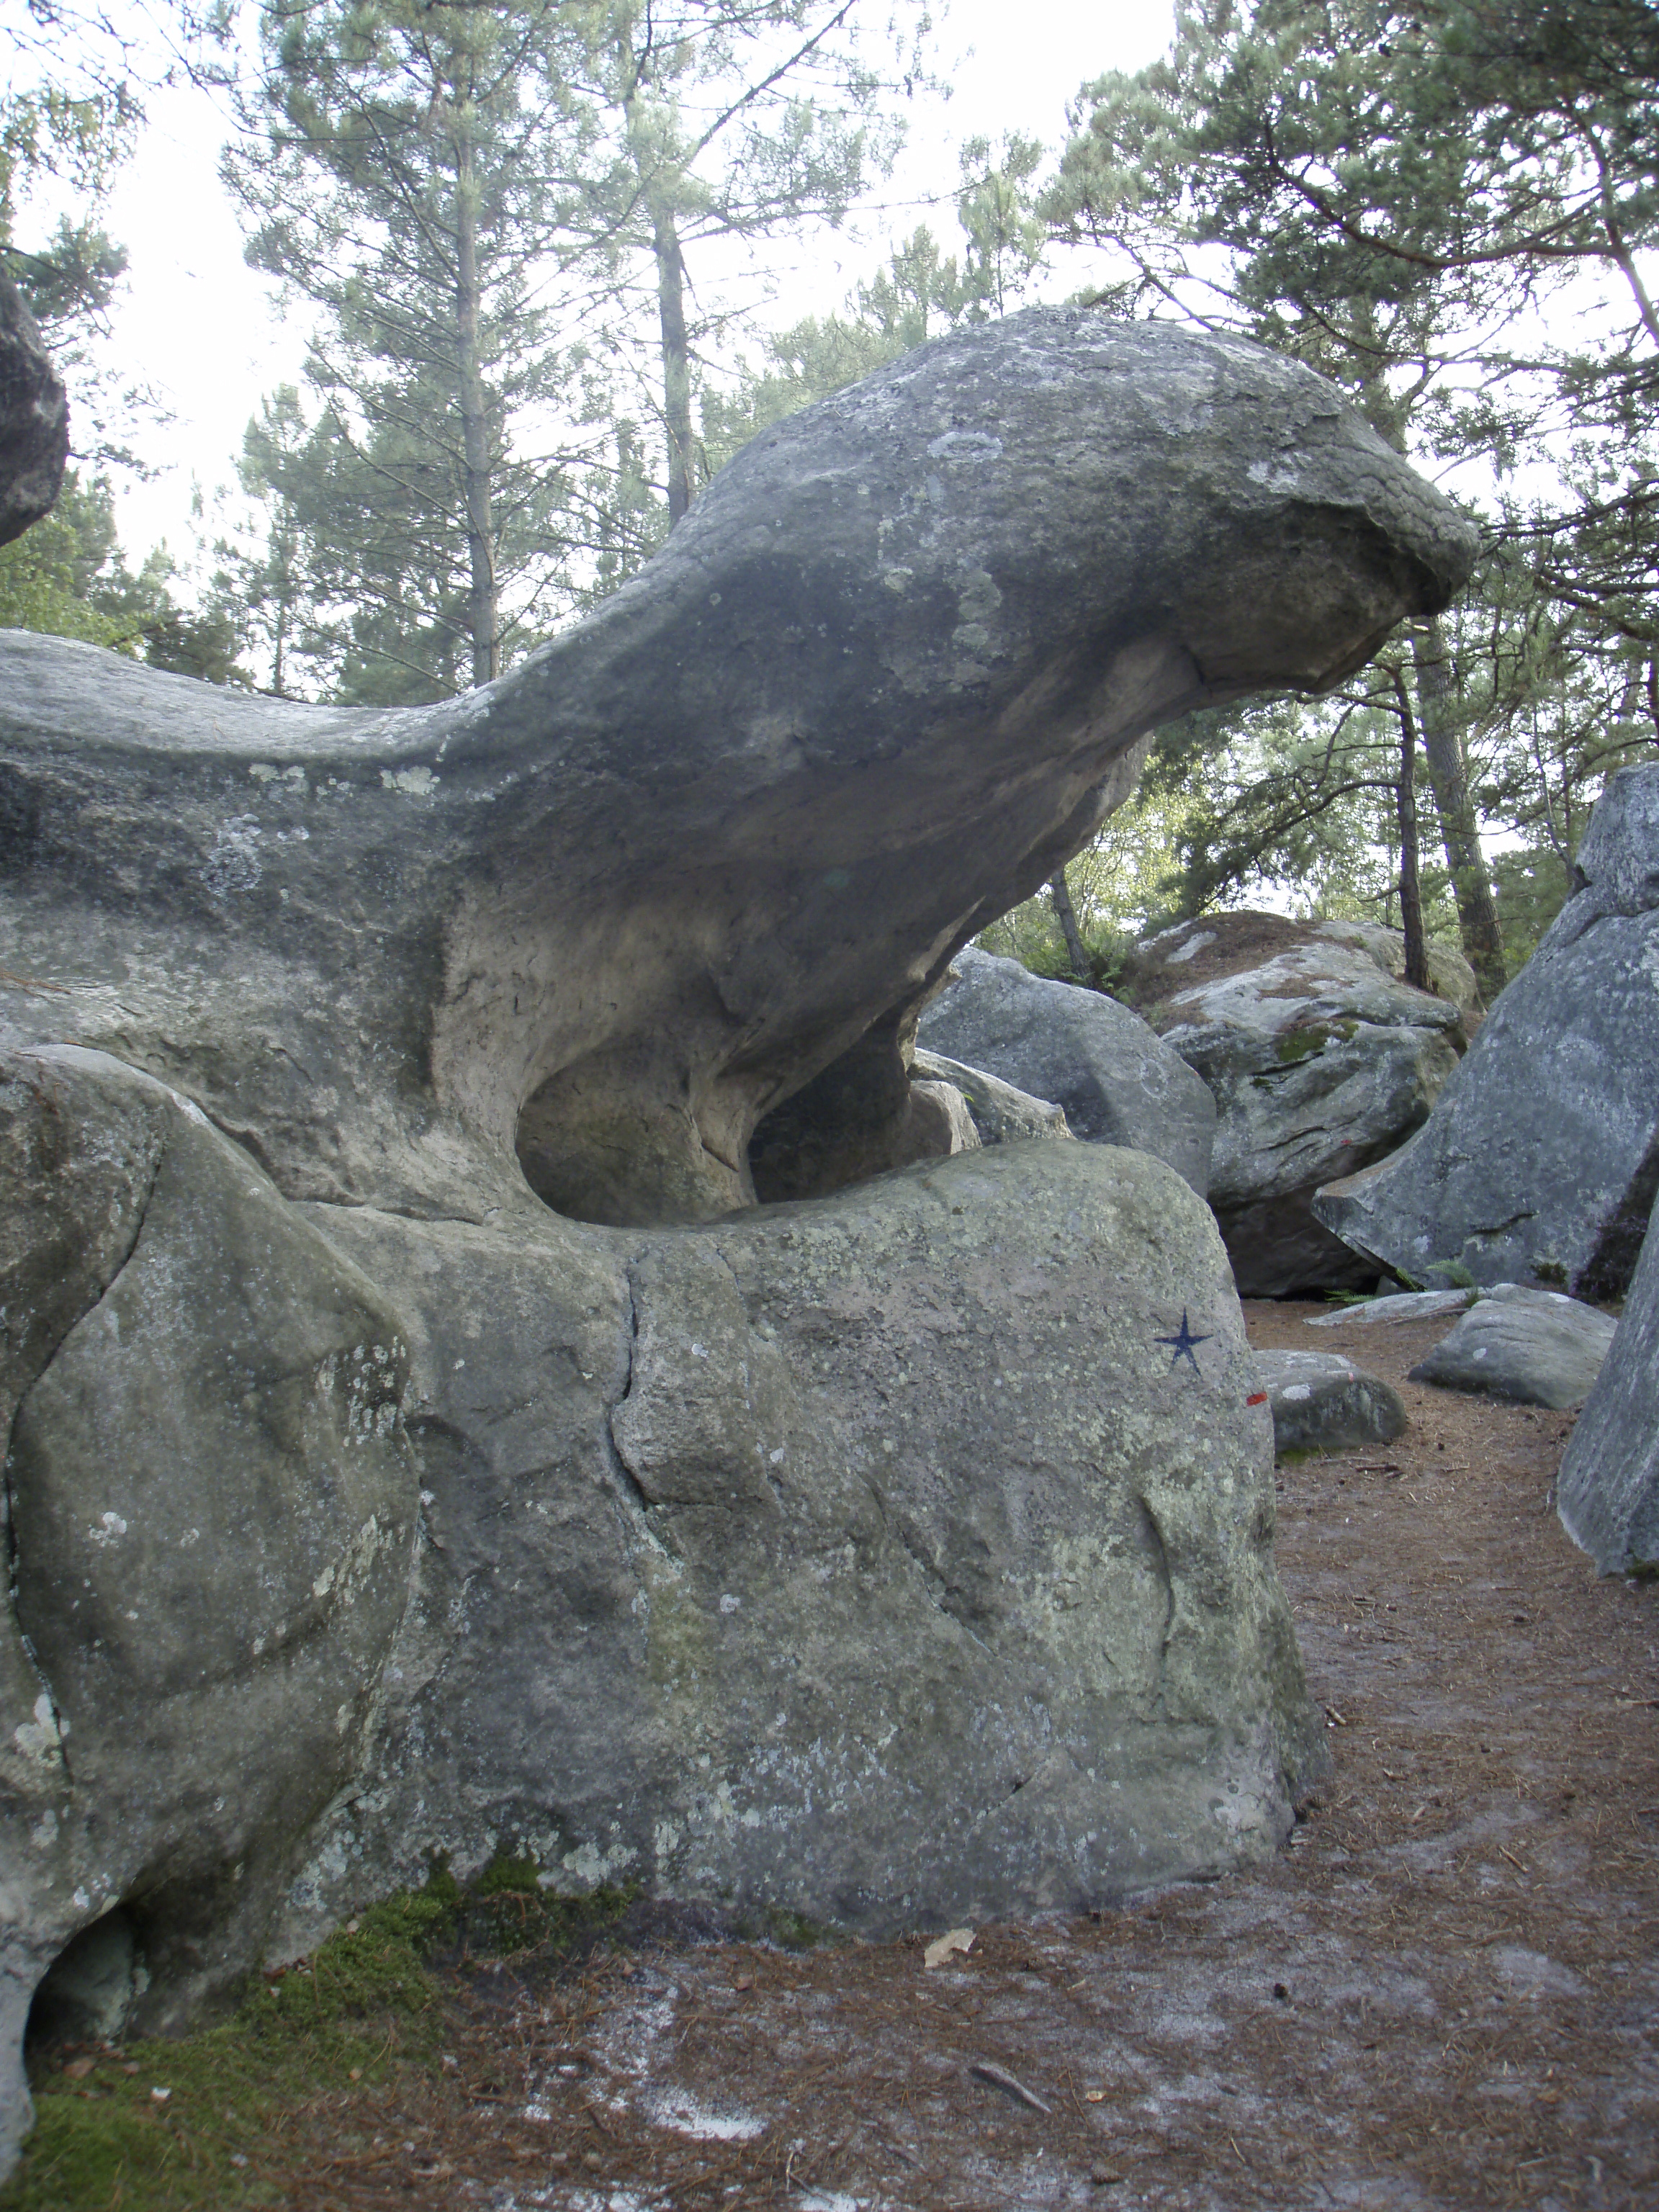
[(1060, 898), (1477, 916), (1411, 892), (481, 610), (676, 361)]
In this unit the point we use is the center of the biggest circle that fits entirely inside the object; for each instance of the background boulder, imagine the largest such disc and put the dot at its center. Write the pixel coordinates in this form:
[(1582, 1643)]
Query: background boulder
[(1608, 1492), (1100, 1063), (1542, 1158), (1002, 1114), (1322, 1401), (1535, 1347), (1318, 1059)]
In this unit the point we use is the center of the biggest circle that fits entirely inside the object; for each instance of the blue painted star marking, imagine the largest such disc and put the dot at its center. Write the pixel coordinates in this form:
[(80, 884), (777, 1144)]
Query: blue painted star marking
[(1183, 1344)]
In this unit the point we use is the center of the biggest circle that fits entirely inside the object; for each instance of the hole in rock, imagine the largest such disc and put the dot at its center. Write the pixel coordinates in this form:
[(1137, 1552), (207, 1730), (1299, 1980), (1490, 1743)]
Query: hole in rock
[(89, 1989), (591, 1148)]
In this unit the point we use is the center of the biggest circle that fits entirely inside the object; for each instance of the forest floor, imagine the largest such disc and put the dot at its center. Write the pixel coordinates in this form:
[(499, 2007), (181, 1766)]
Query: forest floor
[(1444, 1993)]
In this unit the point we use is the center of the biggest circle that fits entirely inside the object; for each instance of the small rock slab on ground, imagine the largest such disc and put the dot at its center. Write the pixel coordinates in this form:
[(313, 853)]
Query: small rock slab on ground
[(1408, 1305), (1536, 1347), (1322, 1402), (1608, 1492)]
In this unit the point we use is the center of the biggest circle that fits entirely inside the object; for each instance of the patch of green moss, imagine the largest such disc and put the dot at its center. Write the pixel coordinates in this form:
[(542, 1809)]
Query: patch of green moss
[(1551, 1272), (505, 1911), (789, 1931), (1302, 1044), (363, 2005)]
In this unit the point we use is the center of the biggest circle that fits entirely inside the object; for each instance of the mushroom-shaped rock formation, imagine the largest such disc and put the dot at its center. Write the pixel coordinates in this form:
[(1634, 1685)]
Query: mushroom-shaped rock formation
[(887, 675), (898, 1553)]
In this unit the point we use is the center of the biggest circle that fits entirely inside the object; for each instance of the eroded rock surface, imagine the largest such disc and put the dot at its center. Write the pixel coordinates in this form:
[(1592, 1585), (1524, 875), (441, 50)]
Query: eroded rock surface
[(900, 1552), (890, 671), (1541, 1159), (876, 1556), (1533, 1347), (1116, 1083), (211, 1508), (1319, 1059), (1322, 1401), (1608, 1491)]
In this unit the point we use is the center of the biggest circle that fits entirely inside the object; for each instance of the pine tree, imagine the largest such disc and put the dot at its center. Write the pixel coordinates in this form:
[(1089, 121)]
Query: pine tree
[(1393, 193), (413, 182)]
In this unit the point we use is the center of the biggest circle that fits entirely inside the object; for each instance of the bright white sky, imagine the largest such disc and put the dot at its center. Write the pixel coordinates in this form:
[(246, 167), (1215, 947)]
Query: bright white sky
[(203, 329)]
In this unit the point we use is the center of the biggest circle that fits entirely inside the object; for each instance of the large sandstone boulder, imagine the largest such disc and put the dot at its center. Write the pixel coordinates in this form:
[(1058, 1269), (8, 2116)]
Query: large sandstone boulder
[(1540, 1160), (34, 419), (212, 1507), (1319, 1059), (1101, 1064), (887, 674), (1608, 1491), (900, 1552)]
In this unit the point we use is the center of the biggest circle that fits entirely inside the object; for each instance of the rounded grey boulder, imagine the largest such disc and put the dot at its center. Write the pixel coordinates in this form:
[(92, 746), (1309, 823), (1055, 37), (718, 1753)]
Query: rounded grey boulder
[(1322, 1401), (1100, 1063), (1535, 1347)]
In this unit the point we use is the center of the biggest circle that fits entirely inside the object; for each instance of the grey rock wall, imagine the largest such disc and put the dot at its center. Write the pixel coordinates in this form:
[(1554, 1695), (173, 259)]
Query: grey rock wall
[(1541, 1159), (1608, 1491)]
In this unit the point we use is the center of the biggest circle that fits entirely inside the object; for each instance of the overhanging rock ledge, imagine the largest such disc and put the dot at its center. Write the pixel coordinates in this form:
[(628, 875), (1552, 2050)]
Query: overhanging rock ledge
[(417, 1436)]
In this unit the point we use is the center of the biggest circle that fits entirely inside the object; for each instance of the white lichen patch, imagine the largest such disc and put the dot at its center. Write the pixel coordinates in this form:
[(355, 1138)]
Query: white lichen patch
[(415, 782), (40, 1739)]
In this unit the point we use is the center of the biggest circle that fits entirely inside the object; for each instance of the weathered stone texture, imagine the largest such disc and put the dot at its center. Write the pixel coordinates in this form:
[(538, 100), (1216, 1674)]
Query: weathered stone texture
[(1318, 1059), (1541, 1157), (878, 1553), (870, 1556), (1117, 1084), (1608, 1491), (210, 1509)]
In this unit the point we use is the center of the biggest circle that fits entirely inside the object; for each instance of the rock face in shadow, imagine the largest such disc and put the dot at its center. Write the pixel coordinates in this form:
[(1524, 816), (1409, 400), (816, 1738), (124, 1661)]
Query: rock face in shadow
[(900, 1553), (1608, 1491), (34, 419), (1116, 1082), (1541, 1159), (1318, 1057)]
